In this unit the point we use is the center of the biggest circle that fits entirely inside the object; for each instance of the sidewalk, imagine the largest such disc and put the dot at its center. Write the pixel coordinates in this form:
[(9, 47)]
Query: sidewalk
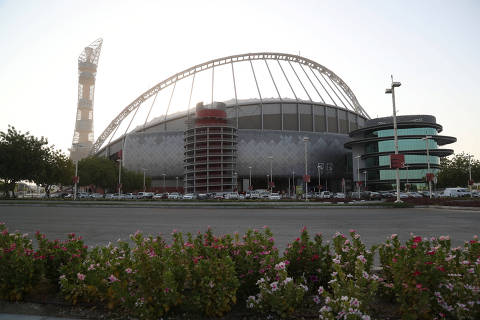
[(10, 316)]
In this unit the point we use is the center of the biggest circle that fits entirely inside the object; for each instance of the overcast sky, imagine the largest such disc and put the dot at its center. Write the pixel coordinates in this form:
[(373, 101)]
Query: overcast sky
[(432, 47)]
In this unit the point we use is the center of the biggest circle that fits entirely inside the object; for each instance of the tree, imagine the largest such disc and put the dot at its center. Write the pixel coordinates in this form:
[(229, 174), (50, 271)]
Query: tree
[(99, 172), (57, 168), (133, 181), (20, 157), (454, 171)]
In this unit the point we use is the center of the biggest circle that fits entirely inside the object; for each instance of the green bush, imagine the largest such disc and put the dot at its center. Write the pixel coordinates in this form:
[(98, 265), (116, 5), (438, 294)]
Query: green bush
[(20, 265)]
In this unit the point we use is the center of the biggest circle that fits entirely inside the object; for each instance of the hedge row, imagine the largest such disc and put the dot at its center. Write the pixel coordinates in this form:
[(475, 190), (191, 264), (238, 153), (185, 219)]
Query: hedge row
[(206, 274)]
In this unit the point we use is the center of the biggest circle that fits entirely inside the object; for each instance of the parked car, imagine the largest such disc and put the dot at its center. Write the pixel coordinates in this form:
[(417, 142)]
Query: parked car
[(476, 194), (339, 195), (130, 196), (231, 195), (218, 195), (274, 196), (96, 196), (158, 196), (109, 196), (189, 196), (375, 196), (414, 195), (455, 192), (117, 196), (202, 196), (174, 196), (82, 195), (145, 195), (326, 195)]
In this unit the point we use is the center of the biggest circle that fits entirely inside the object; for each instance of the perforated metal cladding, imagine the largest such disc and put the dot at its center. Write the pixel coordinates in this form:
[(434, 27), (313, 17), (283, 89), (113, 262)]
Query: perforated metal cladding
[(161, 152)]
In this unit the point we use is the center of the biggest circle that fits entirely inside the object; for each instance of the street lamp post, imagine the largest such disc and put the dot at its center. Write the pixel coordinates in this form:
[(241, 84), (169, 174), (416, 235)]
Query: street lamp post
[(293, 182), (176, 188), (144, 186), (119, 177), (250, 178), (76, 180), (407, 187), (428, 165), (271, 171), (365, 173), (305, 140), (164, 189), (319, 181), (395, 134), (358, 174), (470, 174)]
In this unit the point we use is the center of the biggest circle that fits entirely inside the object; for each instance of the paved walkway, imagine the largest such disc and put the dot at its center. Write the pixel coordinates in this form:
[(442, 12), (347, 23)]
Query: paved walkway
[(9, 316)]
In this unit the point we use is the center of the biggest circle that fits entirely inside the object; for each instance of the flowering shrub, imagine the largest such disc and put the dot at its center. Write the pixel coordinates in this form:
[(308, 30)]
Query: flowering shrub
[(100, 277), (352, 287), (209, 283), (206, 274), (280, 295), (254, 256), (430, 279), (57, 253), (309, 259), (20, 268)]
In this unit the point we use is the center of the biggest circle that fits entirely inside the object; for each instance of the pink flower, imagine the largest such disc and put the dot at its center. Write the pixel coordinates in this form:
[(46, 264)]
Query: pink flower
[(80, 276), (417, 239), (128, 270), (112, 278), (393, 236)]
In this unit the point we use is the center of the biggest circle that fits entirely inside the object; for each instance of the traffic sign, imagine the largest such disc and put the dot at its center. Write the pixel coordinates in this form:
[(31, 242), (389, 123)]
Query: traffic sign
[(76, 179), (430, 177), (397, 161), (306, 178), (470, 182)]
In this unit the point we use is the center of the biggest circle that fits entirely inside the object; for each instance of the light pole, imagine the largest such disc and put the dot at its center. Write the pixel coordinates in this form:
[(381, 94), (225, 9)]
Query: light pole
[(271, 173), (365, 173), (250, 178), (76, 180), (319, 181), (235, 183), (395, 136), (407, 187), (176, 188), (305, 140), (470, 174), (428, 165), (164, 189), (144, 186), (119, 177), (358, 174), (293, 182), (268, 180)]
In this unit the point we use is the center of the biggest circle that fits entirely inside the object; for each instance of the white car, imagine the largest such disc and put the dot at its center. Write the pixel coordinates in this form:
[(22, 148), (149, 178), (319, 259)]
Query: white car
[(274, 196), (231, 195), (174, 196), (145, 195), (96, 196), (339, 195), (188, 196), (130, 196), (117, 196), (326, 195), (157, 196), (109, 196)]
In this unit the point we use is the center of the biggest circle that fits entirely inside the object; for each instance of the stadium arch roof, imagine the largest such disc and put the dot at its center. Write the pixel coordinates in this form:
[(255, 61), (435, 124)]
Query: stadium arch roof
[(332, 86)]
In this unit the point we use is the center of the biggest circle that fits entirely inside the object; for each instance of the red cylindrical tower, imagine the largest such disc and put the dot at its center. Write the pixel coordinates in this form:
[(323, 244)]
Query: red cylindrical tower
[(210, 154)]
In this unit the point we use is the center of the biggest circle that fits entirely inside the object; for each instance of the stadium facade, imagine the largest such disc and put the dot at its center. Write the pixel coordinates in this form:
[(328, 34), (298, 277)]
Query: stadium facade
[(243, 143)]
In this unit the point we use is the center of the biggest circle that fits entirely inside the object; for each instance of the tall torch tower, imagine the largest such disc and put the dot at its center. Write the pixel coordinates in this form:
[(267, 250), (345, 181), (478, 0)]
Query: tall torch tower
[(87, 70)]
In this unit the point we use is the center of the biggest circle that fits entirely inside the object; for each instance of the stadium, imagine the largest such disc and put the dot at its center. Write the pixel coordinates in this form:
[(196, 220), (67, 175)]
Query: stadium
[(276, 116)]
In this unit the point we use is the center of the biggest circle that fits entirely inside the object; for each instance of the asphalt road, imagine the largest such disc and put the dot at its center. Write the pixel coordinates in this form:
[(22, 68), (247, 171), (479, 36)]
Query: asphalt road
[(100, 225)]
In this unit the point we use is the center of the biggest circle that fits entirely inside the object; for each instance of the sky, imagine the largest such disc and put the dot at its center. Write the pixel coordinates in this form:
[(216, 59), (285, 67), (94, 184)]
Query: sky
[(431, 47)]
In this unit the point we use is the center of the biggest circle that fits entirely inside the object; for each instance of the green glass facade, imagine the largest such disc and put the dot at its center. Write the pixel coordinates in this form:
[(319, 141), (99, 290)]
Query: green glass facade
[(404, 145)]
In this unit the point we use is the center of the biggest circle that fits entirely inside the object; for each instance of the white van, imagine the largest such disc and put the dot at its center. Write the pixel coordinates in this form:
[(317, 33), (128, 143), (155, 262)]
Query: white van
[(455, 192)]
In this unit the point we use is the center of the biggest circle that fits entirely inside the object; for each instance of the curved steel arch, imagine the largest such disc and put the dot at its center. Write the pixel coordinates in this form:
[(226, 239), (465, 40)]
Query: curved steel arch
[(219, 62)]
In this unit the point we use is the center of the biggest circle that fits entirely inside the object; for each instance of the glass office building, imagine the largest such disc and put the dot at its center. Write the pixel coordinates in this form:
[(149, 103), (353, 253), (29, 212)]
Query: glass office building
[(372, 146)]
